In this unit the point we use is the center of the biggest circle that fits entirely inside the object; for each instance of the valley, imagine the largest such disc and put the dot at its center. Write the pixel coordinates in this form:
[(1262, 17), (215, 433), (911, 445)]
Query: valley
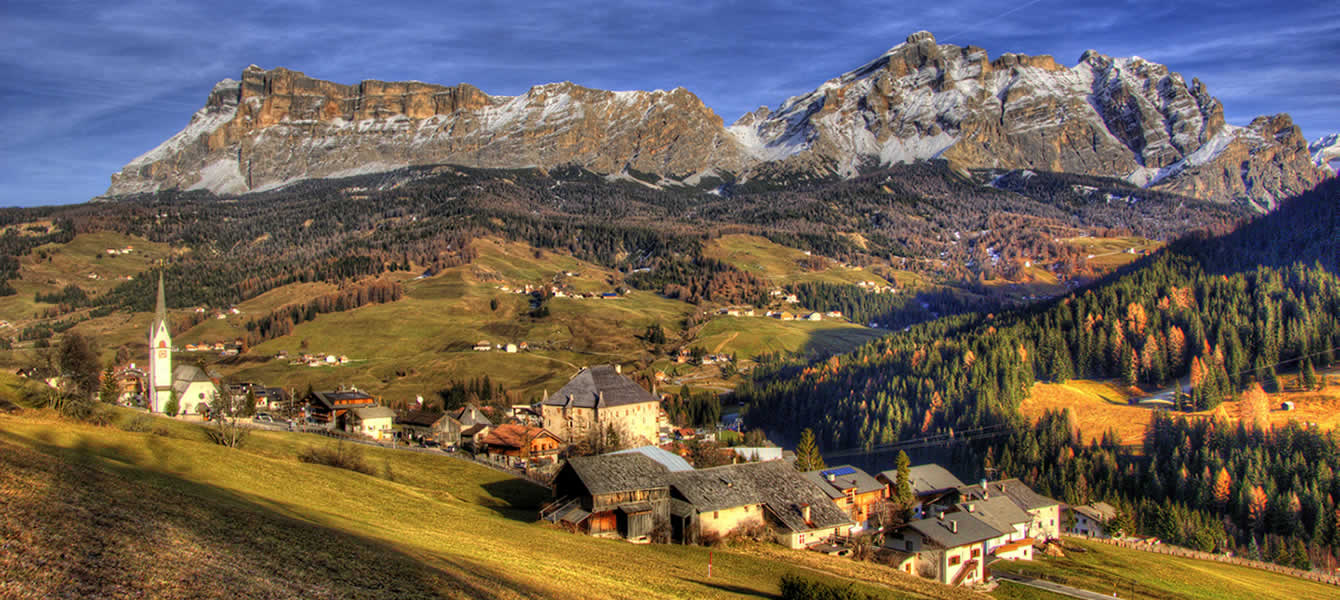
[(945, 324)]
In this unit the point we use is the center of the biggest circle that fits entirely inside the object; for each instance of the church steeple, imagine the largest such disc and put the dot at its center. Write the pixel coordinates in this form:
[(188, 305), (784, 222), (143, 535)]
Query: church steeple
[(160, 354), (160, 312)]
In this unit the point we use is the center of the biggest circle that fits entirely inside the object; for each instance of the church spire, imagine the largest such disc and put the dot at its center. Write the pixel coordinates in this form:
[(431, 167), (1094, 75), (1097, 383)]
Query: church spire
[(160, 311)]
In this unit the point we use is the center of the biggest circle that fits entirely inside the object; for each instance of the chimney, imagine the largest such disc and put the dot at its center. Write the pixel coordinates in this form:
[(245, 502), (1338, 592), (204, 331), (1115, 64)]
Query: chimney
[(971, 507), (618, 369), (805, 512), (830, 477), (940, 515), (953, 526)]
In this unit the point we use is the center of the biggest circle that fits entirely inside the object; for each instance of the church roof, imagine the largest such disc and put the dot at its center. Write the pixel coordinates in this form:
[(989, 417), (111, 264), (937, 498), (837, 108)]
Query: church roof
[(600, 386)]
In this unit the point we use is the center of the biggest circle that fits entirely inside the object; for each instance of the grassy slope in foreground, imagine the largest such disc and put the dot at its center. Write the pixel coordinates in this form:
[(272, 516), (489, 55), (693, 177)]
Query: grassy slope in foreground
[(1103, 568), (97, 511)]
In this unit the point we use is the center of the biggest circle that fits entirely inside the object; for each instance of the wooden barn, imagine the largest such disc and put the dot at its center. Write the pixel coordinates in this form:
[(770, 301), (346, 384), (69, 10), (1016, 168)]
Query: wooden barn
[(613, 495)]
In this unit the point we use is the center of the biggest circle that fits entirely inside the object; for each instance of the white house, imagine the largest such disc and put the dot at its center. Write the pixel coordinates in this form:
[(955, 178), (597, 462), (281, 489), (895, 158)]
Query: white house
[(373, 421), (950, 549), (1091, 519)]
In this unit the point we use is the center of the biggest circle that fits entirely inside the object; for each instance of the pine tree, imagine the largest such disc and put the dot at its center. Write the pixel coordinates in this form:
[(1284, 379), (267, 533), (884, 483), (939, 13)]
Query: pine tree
[(903, 496), (108, 391), (173, 405), (807, 453), (1309, 376)]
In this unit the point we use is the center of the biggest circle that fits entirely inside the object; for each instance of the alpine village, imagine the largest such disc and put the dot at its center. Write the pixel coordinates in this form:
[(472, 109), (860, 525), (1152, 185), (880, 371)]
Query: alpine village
[(948, 326)]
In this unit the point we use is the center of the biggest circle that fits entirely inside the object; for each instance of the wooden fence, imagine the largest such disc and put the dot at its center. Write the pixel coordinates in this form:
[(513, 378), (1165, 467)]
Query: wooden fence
[(1232, 560)]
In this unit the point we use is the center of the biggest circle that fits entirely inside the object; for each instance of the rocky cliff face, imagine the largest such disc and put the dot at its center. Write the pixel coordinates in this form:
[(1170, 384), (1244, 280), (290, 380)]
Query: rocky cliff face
[(1120, 117), (1326, 152), (279, 126)]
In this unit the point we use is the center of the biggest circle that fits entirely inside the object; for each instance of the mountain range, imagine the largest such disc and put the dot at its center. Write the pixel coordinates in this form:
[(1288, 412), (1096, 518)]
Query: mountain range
[(1125, 118)]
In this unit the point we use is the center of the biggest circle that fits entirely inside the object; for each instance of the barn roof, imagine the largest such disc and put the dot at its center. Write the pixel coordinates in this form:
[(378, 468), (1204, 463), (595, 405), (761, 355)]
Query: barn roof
[(1014, 489), (601, 386), (1098, 511), (611, 473), (927, 479), (515, 435), (374, 412), (422, 418), (998, 511), (955, 529), (774, 484)]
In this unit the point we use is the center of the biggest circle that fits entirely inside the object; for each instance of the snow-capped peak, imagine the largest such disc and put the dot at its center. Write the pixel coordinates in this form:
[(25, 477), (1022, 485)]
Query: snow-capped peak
[(1326, 152)]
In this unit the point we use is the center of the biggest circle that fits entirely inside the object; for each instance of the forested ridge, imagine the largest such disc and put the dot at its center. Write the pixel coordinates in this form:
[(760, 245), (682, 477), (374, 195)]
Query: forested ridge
[(1224, 313), (929, 218)]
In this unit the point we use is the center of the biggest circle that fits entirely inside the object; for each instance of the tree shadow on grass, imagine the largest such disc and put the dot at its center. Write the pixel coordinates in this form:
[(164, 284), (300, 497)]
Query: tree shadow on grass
[(90, 526), (517, 499), (824, 343), (730, 589)]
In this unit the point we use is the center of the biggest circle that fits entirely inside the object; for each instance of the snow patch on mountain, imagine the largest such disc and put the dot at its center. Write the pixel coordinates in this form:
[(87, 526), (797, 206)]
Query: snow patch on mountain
[(221, 177), (1207, 152), (898, 150), (1326, 152)]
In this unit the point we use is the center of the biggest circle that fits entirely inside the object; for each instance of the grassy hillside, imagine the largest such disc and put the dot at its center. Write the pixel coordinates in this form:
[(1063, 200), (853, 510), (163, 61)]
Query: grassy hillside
[(780, 264), (418, 344), (102, 512), (1106, 569), (1101, 405), (50, 268), (751, 336), (422, 342)]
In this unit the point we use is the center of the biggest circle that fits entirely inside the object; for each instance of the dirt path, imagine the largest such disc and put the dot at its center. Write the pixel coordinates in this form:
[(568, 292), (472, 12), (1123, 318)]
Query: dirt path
[(725, 341)]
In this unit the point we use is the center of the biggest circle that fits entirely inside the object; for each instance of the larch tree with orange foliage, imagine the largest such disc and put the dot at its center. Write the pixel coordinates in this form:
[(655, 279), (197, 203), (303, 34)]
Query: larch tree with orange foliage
[(1256, 507), (1254, 409), (1136, 317), (1223, 487)]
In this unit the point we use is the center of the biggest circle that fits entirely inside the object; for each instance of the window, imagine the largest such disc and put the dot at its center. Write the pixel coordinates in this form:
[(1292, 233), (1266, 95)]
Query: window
[(909, 545), (953, 561), (716, 514), (976, 552)]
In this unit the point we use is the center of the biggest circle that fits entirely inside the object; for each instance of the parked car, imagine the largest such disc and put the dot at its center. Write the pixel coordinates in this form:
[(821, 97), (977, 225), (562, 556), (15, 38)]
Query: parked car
[(263, 418), (431, 444)]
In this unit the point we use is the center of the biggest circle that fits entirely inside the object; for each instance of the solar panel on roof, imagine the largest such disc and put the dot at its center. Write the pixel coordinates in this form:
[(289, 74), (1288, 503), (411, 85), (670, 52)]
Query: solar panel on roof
[(839, 471)]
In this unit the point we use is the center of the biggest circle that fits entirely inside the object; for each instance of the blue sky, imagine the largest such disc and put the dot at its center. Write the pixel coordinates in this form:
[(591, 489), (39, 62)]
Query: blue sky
[(91, 85)]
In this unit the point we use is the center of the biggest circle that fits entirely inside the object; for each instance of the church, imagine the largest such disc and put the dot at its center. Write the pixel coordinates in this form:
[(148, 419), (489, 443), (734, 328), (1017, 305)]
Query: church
[(192, 386)]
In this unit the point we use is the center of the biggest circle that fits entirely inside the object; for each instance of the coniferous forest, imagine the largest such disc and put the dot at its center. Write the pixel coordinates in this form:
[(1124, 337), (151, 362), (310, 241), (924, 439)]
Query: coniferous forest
[(1223, 314)]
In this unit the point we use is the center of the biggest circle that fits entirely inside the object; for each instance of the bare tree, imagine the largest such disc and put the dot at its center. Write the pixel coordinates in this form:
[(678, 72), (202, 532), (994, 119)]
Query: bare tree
[(227, 413)]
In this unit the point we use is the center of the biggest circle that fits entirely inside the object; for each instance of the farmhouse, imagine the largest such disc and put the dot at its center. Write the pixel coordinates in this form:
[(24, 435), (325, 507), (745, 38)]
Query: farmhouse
[(514, 444), (709, 504), (373, 421), (431, 425), (950, 549), (474, 426), (1004, 515), (1091, 519), (597, 399), (851, 489), (613, 495), (332, 408), (1044, 512)]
